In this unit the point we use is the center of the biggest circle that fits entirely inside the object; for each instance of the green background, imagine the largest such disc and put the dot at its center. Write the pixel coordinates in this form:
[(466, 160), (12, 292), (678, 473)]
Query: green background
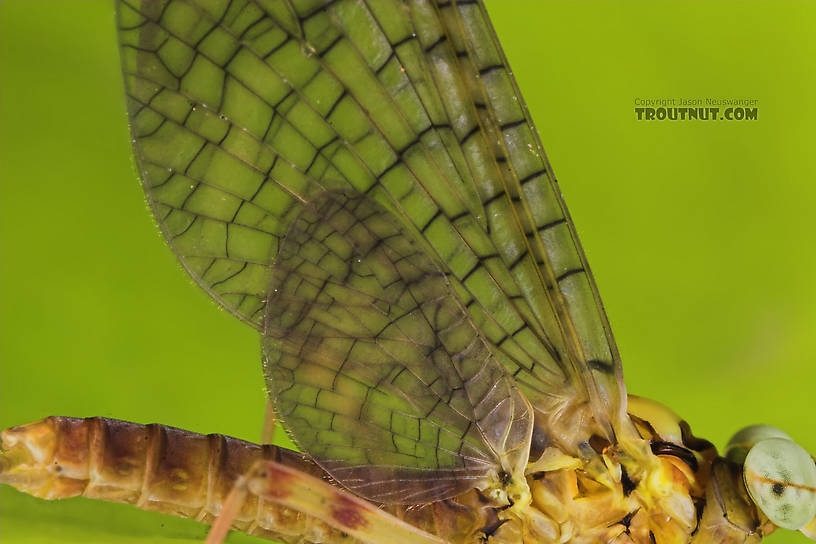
[(700, 234)]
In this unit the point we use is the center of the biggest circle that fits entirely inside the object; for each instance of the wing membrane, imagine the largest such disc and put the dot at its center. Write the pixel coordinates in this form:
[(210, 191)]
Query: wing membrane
[(245, 113), (376, 367)]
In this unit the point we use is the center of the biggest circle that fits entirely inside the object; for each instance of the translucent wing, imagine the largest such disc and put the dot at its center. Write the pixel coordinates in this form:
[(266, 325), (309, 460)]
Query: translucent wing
[(247, 114), (377, 368)]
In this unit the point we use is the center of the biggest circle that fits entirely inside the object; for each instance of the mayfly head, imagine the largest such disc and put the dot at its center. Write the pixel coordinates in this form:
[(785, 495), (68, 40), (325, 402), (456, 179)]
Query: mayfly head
[(779, 475)]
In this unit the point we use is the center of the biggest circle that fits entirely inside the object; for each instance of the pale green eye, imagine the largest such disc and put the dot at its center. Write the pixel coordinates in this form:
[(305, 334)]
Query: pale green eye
[(742, 442), (781, 478)]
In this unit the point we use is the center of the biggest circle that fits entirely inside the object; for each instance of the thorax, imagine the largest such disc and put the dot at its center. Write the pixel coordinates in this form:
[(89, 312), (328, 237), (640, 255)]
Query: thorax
[(673, 490)]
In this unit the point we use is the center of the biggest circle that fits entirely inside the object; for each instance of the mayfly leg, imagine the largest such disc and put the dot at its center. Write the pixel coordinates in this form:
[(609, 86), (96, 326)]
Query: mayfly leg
[(301, 492), (230, 509), (270, 421)]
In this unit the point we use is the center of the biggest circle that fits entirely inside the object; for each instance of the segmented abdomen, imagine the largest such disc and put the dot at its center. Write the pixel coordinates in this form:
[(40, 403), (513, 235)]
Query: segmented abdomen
[(154, 467)]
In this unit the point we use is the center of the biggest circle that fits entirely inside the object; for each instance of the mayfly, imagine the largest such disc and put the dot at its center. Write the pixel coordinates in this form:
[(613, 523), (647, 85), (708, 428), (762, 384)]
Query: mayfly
[(362, 184)]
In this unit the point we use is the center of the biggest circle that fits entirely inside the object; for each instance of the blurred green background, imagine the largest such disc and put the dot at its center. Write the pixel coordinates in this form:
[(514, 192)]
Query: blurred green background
[(700, 234)]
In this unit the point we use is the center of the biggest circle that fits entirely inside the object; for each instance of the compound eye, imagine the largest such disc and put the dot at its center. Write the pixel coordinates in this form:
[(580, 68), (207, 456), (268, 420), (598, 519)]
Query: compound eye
[(781, 478), (742, 442)]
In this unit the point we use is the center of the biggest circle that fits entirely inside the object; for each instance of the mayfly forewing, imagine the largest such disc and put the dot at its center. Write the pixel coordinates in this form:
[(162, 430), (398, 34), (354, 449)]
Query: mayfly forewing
[(458, 455), (375, 365), (574, 320), (246, 114)]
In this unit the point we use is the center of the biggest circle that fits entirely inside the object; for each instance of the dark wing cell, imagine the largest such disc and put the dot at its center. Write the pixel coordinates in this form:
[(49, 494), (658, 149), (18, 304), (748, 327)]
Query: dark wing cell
[(247, 114)]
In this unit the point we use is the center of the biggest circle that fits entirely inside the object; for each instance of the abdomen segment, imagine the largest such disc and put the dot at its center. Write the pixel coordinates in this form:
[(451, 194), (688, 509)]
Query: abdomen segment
[(154, 467)]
